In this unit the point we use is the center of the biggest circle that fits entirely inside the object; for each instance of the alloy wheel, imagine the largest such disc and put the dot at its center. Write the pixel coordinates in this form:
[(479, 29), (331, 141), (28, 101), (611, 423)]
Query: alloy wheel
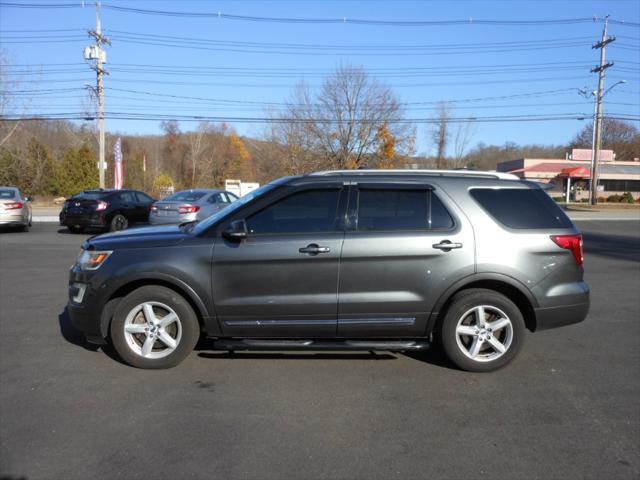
[(152, 330), (484, 333)]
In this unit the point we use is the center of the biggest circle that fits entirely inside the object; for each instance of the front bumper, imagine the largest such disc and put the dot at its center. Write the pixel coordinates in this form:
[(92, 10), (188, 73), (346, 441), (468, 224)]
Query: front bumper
[(85, 306)]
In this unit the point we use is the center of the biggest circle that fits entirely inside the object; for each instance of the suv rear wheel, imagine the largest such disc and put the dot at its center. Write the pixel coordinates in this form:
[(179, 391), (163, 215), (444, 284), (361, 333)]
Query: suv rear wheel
[(154, 327), (482, 330)]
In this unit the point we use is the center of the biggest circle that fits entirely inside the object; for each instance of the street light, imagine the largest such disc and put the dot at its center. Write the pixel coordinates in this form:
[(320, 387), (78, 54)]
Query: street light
[(594, 176)]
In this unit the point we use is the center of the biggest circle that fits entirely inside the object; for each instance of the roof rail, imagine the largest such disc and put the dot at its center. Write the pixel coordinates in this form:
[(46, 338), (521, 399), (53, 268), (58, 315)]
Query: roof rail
[(435, 173)]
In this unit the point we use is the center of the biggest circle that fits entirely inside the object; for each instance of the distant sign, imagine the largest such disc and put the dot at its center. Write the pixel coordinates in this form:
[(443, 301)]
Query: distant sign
[(585, 154)]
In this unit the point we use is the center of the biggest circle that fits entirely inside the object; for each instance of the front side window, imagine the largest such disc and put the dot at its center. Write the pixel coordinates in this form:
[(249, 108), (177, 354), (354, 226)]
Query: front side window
[(401, 209), (304, 212), (126, 197)]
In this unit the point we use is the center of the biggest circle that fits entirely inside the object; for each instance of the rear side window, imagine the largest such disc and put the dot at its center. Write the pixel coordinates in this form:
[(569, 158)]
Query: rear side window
[(388, 209), (218, 198), (304, 212), (521, 208)]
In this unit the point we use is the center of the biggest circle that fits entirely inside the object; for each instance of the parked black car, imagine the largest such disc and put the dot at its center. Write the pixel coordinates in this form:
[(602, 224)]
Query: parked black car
[(105, 210)]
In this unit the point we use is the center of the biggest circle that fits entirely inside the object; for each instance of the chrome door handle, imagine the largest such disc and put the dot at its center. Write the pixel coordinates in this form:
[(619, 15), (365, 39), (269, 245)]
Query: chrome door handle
[(314, 249), (446, 245)]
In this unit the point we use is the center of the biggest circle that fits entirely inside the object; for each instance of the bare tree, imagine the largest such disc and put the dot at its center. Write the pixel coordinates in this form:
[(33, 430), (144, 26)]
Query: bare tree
[(464, 132), (197, 146), (338, 126), (9, 103), (440, 134)]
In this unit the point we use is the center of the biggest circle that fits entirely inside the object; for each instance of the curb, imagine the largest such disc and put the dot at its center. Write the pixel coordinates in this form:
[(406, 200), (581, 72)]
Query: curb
[(45, 219)]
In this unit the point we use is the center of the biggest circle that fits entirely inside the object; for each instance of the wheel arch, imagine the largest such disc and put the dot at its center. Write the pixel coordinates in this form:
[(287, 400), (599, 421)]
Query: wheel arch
[(167, 281), (508, 286)]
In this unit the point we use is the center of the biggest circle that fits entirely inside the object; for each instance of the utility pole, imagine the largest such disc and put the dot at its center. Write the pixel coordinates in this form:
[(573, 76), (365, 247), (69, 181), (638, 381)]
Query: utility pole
[(597, 130), (98, 56)]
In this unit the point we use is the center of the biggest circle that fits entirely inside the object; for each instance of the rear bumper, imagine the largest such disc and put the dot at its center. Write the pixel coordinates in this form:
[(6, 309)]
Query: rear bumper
[(155, 219), (94, 220), (15, 219), (554, 317)]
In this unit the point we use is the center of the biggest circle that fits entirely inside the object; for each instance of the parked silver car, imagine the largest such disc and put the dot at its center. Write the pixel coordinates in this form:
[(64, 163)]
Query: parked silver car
[(189, 205), (15, 209)]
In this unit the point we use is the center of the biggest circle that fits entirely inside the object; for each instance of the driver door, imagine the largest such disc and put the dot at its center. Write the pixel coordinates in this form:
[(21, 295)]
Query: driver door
[(282, 279)]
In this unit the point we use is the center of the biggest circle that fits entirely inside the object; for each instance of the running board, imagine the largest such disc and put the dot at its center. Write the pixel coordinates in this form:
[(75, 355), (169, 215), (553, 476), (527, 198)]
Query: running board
[(232, 344)]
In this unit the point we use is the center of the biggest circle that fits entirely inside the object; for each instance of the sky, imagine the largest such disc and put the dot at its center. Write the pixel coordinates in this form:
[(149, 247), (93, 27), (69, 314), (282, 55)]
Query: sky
[(229, 67)]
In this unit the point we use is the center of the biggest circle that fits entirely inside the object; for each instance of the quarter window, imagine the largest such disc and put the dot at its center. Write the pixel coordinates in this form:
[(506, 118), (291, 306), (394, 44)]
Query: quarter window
[(303, 212), (521, 207), (142, 198)]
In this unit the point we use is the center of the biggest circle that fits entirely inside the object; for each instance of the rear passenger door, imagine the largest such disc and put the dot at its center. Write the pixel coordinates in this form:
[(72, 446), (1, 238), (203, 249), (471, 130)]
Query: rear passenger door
[(402, 243)]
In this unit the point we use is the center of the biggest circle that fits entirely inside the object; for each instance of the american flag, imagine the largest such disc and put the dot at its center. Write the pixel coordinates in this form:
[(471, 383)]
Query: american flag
[(118, 175)]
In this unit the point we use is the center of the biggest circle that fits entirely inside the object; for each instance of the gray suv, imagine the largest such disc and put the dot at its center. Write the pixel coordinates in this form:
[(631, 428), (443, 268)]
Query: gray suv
[(341, 260)]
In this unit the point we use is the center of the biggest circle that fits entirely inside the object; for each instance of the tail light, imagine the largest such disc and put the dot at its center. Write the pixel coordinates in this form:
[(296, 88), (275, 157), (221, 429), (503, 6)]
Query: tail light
[(101, 205), (188, 208), (572, 243), (13, 205), (153, 208)]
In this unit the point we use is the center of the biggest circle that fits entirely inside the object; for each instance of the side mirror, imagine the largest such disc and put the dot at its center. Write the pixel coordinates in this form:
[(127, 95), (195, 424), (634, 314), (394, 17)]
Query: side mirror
[(236, 230)]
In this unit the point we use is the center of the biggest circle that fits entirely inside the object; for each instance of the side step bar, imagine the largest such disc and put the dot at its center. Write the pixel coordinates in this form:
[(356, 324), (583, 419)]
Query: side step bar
[(232, 344)]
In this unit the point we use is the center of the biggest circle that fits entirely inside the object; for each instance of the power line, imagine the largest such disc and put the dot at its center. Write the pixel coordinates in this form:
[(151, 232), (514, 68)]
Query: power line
[(199, 118), (329, 20), (56, 91)]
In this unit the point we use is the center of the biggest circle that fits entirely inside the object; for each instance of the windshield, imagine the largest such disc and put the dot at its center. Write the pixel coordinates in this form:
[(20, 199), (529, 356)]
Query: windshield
[(206, 223), (186, 196)]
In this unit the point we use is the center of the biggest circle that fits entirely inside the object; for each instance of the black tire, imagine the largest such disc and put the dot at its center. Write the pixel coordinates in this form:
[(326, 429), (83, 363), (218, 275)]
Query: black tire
[(73, 229), (188, 321), (24, 228), (118, 222), (462, 303)]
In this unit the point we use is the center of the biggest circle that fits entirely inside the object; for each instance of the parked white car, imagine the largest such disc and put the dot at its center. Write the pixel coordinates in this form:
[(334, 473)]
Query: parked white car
[(189, 206), (15, 209)]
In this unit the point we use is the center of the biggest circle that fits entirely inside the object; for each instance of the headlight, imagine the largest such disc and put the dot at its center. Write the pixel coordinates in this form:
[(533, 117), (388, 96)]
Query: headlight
[(91, 260)]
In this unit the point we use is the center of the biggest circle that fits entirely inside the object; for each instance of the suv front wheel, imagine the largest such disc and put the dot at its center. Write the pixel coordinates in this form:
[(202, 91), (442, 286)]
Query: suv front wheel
[(154, 327), (482, 330)]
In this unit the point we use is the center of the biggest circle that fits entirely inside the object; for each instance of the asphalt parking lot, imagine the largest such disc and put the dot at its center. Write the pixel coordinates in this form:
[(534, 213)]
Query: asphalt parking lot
[(568, 407)]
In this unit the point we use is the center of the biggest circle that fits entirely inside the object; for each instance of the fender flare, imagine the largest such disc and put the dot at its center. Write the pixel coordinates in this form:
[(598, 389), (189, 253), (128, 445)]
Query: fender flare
[(477, 277), (149, 278)]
